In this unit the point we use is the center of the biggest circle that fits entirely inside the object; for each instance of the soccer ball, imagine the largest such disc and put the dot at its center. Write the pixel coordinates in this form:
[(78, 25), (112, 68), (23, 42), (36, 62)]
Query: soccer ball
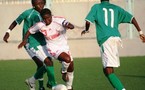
[(60, 87)]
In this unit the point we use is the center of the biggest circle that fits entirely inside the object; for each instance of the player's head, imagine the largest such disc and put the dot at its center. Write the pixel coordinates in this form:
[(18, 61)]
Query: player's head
[(38, 4), (104, 0), (46, 15)]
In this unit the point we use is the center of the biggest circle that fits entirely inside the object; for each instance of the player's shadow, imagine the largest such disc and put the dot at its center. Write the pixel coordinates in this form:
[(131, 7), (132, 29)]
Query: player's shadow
[(137, 76)]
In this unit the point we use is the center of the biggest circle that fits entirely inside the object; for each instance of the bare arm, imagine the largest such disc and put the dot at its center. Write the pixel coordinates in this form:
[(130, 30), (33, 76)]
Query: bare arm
[(134, 22), (68, 25), (7, 35), (23, 43), (87, 26), (142, 36)]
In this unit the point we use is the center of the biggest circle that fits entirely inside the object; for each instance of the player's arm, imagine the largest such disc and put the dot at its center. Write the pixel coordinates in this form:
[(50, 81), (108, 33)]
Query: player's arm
[(142, 36), (34, 29), (7, 34), (24, 42), (67, 25), (19, 20), (87, 26)]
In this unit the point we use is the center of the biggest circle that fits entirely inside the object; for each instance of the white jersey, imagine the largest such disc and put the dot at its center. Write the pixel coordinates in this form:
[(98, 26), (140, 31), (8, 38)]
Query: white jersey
[(55, 33)]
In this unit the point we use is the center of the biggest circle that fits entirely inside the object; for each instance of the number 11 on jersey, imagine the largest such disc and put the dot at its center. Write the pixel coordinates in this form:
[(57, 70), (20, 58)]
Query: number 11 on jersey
[(106, 11)]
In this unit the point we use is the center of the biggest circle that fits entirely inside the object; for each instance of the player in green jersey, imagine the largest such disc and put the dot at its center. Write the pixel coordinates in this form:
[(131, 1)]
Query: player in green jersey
[(35, 44), (107, 18)]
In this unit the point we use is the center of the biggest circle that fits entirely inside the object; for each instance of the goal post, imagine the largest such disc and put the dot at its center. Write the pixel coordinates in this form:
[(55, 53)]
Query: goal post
[(130, 9), (48, 4)]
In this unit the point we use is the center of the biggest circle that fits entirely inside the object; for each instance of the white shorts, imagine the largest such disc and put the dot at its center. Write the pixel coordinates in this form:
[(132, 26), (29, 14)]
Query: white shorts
[(41, 53), (109, 52), (55, 51)]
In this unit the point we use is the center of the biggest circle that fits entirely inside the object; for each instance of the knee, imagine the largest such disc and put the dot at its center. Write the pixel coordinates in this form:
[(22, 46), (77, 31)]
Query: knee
[(108, 70), (48, 62), (38, 62), (67, 59)]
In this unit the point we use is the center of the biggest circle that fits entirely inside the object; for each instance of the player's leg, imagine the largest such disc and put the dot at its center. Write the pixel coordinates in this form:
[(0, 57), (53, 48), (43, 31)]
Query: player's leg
[(110, 59), (50, 73), (43, 55), (39, 64), (37, 76), (70, 73), (40, 72), (67, 69), (113, 79)]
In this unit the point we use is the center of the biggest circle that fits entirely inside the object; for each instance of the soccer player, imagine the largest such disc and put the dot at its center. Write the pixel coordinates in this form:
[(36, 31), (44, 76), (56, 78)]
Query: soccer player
[(107, 18), (54, 29), (36, 44)]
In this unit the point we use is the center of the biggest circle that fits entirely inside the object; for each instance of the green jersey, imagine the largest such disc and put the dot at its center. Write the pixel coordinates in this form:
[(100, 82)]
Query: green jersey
[(107, 17), (31, 17)]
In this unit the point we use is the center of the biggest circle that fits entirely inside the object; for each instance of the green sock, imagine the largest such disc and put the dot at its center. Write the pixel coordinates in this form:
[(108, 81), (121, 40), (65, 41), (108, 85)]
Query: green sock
[(114, 80), (39, 75), (40, 72), (50, 74), (40, 83)]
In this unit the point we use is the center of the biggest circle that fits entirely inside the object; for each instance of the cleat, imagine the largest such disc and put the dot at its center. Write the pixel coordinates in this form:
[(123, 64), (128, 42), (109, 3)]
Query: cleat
[(65, 77), (30, 84)]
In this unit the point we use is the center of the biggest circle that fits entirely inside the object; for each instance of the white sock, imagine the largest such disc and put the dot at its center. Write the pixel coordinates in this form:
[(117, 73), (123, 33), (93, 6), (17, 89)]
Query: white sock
[(64, 67), (70, 82)]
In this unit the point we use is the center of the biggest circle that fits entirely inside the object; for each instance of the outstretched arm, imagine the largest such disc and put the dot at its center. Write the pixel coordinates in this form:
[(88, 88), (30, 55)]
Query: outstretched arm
[(7, 34), (24, 42), (142, 36), (87, 26), (68, 25)]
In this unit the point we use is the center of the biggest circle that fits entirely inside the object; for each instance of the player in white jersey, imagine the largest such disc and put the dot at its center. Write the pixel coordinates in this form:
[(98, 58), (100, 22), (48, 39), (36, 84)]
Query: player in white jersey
[(54, 29)]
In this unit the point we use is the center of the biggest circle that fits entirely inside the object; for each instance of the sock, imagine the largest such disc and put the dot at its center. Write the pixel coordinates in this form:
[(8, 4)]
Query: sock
[(40, 72), (114, 80), (39, 75), (50, 74), (70, 82), (40, 83), (64, 67)]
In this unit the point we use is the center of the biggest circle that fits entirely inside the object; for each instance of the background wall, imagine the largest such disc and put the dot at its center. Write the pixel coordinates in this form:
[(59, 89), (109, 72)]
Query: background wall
[(80, 46)]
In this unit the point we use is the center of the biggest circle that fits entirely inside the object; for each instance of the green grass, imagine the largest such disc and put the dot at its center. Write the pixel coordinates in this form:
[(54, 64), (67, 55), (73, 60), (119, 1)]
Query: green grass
[(88, 74)]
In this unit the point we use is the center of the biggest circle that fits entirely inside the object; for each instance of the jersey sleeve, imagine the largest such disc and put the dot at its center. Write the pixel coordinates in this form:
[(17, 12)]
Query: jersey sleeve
[(124, 16), (36, 28), (59, 20), (91, 15), (21, 17)]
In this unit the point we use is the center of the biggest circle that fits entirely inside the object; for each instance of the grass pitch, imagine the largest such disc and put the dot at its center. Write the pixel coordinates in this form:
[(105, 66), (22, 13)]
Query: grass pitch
[(88, 74)]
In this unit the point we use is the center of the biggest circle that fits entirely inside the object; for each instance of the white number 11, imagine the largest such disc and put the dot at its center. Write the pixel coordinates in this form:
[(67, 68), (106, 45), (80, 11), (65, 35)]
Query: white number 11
[(106, 16)]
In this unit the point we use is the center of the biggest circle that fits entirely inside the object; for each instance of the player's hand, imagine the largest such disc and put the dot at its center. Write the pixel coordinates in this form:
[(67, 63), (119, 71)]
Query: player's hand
[(23, 43), (83, 32), (142, 37), (5, 38)]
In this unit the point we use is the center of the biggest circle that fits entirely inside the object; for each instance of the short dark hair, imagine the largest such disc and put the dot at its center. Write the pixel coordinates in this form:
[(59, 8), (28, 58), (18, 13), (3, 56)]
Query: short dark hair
[(45, 11), (33, 2)]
